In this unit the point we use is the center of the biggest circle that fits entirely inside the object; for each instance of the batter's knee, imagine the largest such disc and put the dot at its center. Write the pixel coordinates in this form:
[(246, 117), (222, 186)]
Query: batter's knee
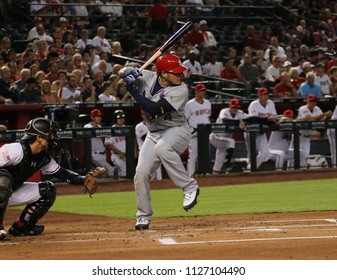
[(142, 173), (47, 191), (161, 149)]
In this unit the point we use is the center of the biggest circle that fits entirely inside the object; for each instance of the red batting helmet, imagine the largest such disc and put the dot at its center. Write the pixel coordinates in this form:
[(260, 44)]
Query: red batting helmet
[(169, 63)]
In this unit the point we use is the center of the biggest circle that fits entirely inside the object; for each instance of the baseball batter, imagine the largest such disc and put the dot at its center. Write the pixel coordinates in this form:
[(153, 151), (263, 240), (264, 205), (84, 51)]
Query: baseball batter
[(309, 112), (331, 133), (117, 145), (98, 152), (198, 111), (224, 142), (262, 108), (163, 97), (18, 162)]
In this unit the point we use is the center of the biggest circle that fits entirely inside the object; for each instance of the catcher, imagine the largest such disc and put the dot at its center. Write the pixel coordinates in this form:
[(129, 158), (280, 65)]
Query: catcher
[(19, 161)]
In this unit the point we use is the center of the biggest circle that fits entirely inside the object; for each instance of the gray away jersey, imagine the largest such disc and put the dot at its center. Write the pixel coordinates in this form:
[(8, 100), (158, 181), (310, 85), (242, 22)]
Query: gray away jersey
[(177, 96)]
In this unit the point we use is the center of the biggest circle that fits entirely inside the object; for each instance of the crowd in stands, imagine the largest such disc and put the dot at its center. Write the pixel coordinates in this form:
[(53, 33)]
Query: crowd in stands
[(74, 51), (71, 53)]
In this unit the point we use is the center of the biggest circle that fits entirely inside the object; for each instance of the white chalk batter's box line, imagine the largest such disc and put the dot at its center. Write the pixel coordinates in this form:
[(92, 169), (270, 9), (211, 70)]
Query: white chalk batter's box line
[(171, 241), (329, 223), (168, 240)]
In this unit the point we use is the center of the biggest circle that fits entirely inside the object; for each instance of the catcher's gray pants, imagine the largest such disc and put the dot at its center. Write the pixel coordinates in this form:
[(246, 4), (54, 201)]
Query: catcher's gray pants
[(162, 147)]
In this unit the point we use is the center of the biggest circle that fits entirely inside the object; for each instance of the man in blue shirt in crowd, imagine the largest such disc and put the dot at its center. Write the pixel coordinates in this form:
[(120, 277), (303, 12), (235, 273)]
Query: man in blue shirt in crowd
[(309, 86)]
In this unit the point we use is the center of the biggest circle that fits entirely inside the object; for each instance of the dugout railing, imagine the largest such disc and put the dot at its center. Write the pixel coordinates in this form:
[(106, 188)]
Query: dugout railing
[(73, 134), (204, 130)]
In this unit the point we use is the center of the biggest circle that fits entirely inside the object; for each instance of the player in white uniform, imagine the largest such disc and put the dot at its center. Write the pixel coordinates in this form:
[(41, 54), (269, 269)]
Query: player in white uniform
[(331, 133), (262, 108), (141, 131), (117, 145), (309, 112), (18, 162), (98, 150), (279, 143), (163, 97), (224, 142), (198, 111)]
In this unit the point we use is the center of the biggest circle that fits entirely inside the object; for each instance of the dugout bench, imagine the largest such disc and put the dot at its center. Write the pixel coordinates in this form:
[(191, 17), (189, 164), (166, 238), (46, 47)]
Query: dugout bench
[(206, 151)]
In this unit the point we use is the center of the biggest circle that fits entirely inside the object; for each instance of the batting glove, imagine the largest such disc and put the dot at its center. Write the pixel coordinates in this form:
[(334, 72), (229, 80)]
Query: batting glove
[(130, 82), (135, 73)]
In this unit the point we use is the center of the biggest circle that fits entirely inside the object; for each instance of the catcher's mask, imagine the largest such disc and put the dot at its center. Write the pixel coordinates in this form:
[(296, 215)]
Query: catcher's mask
[(44, 128)]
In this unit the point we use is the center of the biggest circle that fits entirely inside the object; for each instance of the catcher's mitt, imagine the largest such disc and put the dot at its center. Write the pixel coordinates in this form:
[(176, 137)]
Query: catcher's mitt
[(90, 180)]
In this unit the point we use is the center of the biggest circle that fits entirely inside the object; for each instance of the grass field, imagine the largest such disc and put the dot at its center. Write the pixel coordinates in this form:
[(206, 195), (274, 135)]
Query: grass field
[(293, 196)]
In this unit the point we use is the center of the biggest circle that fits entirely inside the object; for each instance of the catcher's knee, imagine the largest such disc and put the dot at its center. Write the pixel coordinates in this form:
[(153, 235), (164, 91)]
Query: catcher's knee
[(47, 191), (6, 182)]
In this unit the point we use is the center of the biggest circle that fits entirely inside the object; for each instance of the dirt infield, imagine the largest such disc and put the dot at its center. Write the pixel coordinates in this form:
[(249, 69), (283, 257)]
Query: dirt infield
[(309, 235)]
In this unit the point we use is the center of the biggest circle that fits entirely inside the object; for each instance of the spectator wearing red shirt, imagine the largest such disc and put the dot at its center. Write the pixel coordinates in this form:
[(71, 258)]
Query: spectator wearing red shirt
[(229, 71), (252, 39), (267, 33), (295, 78), (320, 33), (332, 62), (158, 16), (195, 37), (53, 69), (285, 88), (13, 67)]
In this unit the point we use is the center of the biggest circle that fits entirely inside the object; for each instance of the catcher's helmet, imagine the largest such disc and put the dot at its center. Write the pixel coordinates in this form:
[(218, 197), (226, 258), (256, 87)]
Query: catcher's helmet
[(44, 128), (169, 63), (118, 114)]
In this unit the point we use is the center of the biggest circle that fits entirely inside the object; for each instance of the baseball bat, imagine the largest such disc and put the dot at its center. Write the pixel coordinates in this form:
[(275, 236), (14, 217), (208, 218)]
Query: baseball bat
[(176, 36)]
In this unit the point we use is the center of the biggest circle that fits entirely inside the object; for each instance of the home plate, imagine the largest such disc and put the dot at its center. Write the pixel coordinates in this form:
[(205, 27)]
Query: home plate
[(167, 241)]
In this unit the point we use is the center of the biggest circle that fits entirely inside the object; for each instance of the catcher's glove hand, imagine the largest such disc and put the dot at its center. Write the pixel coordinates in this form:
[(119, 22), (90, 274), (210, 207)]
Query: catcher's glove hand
[(90, 180)]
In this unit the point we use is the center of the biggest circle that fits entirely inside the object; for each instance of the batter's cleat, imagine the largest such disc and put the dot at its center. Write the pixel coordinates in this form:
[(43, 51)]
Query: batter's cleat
[(142, 223), (190, 199), (3, 233), (15, 230)]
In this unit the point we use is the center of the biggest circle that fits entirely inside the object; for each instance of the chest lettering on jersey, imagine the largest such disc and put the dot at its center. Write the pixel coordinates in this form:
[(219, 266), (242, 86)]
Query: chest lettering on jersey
[(202, 112), (120, 139)]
